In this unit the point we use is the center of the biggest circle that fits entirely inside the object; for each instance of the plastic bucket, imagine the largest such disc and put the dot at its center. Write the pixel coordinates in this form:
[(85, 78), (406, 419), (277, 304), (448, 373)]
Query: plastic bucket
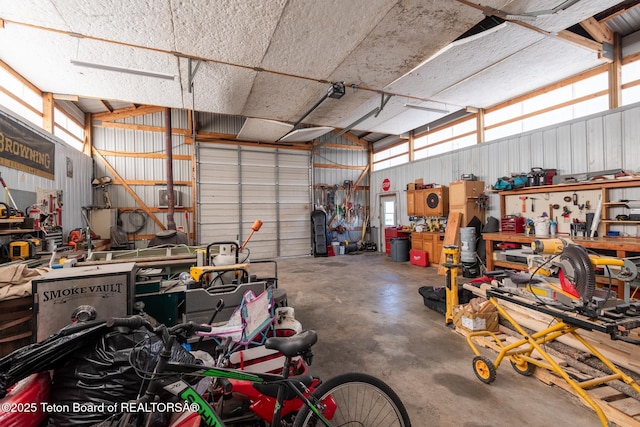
[(541, 226), (336, 247), (400, 249), (467, 244)]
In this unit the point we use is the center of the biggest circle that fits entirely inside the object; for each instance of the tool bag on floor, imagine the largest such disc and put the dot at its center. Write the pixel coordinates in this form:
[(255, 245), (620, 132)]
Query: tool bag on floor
[(436, 297)]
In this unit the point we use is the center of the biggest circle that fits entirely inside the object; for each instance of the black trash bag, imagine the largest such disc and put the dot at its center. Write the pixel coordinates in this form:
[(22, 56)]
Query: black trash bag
[(46, 355), (107, 372)]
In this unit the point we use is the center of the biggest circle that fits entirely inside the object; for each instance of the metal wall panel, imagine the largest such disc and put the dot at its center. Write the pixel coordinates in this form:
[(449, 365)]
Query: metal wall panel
[(237, 185), (211, 122), (76, 190), (344, 160), (142, 168), (612, 133), (603, 141)]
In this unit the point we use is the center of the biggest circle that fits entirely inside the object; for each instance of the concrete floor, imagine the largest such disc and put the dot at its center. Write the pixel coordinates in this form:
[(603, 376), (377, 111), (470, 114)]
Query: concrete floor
[(370, 318)]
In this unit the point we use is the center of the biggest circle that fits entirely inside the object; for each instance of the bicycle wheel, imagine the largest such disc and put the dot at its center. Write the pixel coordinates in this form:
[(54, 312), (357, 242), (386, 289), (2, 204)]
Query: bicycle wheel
[(361, 400)]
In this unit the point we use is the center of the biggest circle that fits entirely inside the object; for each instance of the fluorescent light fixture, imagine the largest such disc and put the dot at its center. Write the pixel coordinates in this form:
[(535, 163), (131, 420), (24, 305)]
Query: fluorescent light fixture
[(445, 120), (433, 110), (387, 142), (510, 17), (135, 71), (263, 130), (305, 134)]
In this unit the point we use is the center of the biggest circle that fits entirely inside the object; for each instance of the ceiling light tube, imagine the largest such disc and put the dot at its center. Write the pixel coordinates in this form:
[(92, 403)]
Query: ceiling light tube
[(135, 71), (509, 17), (433, 110)]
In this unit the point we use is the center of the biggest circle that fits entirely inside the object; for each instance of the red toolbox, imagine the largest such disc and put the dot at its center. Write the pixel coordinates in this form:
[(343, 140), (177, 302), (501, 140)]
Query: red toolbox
[(417, 257), (512, 224)]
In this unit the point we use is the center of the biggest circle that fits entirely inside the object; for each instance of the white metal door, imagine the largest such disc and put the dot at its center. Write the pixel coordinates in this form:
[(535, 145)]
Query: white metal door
[(388, 216), (237, 185)]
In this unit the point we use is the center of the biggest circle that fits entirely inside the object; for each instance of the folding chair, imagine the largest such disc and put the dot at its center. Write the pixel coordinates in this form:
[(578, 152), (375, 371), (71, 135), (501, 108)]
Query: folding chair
[(251, 323)]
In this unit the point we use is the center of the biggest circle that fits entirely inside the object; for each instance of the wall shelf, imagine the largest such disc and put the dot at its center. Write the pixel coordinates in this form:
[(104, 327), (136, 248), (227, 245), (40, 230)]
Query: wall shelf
[(544, 195), (7, 227)]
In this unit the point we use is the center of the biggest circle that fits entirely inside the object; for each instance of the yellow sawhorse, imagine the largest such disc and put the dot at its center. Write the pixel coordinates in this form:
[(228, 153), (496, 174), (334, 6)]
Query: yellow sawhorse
[(519, 352)]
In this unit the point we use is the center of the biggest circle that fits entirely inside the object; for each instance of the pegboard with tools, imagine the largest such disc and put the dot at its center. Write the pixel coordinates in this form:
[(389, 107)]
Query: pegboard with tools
[(563, 207), (50, 205)]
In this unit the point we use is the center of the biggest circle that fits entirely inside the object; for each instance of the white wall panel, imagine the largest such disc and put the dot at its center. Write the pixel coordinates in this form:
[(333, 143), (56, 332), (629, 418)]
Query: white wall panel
[(241, 184), (259, 175), (609, 140), (612, 141), (578, 142), (595, 144), (536, 152), (549, 144), (265, 193), (218, 193), (630, 139), (564, 152)]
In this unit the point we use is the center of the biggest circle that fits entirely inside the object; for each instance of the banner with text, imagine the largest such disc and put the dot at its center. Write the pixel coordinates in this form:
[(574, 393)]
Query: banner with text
[(23, 149)]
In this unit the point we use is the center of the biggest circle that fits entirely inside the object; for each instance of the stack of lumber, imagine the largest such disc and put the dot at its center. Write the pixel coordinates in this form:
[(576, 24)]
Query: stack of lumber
[(622, 354), (620, 403)]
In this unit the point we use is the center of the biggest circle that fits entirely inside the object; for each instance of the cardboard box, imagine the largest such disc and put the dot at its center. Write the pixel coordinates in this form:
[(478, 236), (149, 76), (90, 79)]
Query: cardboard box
[(473, 322)]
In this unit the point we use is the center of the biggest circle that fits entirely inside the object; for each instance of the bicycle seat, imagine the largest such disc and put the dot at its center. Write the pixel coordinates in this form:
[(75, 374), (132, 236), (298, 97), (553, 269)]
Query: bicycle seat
[(271, 390), (293, 345)]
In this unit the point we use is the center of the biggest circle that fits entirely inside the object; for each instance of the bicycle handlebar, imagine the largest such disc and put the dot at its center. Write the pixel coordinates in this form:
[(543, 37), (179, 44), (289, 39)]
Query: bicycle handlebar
[(133, 322), (189, 328)]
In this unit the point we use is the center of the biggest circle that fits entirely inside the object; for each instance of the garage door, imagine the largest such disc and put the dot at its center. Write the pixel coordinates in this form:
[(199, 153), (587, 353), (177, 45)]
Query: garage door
[(238, 185)]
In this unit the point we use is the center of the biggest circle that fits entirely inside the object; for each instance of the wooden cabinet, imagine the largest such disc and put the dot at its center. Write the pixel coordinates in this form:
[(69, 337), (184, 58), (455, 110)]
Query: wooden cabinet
[(429, 242), (428, 202), (411, 202), (416, 241), (438, 241), (463, 197), (427, 246)]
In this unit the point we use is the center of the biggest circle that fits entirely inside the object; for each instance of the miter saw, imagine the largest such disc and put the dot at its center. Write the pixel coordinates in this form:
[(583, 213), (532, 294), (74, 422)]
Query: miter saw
[(569, 270)]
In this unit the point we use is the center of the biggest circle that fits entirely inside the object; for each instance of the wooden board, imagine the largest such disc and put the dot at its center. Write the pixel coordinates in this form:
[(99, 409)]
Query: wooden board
[(451, 237), (617, 406)]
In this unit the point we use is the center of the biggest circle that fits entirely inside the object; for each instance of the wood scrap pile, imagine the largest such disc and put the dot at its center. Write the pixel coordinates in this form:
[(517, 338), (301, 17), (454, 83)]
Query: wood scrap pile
[(619, 401)]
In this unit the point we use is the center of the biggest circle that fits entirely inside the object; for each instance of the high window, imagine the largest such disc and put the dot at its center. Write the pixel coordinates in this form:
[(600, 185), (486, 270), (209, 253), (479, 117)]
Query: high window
[(25, 100), (631, 82), (573, 98), (396, 155)]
